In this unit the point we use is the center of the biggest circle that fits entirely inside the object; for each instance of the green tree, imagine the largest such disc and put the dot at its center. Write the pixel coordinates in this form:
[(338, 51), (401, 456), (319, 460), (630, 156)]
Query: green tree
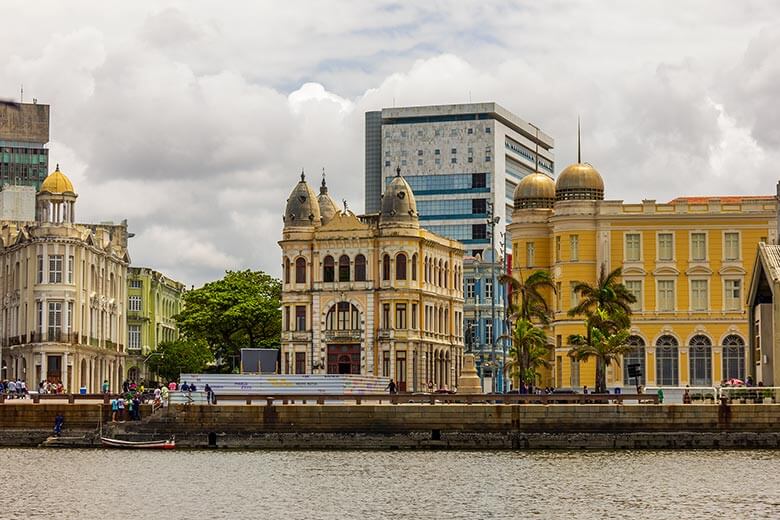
[(528, 352), (605, 342), (183, 355), (242, 310), (608, 294), (531, 303)]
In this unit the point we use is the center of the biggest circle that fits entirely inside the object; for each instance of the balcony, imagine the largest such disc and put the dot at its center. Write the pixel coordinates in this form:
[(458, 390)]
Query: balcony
[(342, 335), (384, 334), (51, 336)]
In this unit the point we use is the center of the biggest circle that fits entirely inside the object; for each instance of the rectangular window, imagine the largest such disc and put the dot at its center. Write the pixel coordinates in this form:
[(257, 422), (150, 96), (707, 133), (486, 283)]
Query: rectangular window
[(665, 247), (478, 231), (633, 248), (478, 180), (574, 298), (400, 315), (39, 278), (386, 316), (70, 268), (454, 160), (55, 269), (39, 324), (470, 131), (489, 331), (134, 303), (574, 246), (558, 249), (134, 337), (300, 362), (414, 316), (386, 363), (478, 206), (419, 152), (699, 299), (454, 151), (469, 287), (635, 287), (731, 241), (530, 254), (666, 295), (55, 321), (300, 317), (286, 317), (487, 130), (488, 289), (136, 284), (558, 297), (437, 152), (698, 247), (733, 295)]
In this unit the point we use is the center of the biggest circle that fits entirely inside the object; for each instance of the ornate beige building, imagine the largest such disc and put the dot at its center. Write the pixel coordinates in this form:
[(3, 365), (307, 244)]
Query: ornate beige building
[(372, 294), (64, 291)]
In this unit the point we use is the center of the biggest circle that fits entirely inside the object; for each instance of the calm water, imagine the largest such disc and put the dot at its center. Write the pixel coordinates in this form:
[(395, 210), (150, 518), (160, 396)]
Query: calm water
[(104, 484)]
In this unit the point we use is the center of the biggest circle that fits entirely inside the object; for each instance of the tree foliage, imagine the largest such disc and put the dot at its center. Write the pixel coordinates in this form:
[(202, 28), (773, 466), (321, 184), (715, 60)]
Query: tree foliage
[(242, 310), (529, 351), (183, 355), (531, 304), (608, 294)]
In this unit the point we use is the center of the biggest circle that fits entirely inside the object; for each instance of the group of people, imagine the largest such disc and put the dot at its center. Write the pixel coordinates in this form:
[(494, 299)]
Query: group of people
[(13, 389)]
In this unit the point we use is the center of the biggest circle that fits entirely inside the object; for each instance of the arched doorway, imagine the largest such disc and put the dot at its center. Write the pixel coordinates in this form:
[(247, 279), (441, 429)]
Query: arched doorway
[(134, 375), (345, 364), (83, 373)]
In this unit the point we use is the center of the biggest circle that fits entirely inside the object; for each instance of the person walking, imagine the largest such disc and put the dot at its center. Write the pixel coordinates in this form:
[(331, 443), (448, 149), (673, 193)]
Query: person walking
[(59, 421), (391, 387), (114, 409), (209, 393), (105, 386)]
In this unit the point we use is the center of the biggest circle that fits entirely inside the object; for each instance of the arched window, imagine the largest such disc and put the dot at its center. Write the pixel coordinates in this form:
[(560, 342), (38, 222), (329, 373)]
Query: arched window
[(300, 270), (635, 357), (666, 361), (328, 269), (427, 269), (414, 266), (733, 357), (342, 316), (700, 360), (386, 267), (446, 274), (400, 267), (286, 270), (343, 268), (360, 268), (439, 270)]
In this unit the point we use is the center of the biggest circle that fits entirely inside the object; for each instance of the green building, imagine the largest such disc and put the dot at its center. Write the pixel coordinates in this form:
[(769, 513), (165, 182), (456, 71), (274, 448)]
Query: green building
[(153, 300)]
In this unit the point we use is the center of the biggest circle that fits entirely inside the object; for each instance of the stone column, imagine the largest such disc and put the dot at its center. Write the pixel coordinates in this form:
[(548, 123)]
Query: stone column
[(65, 372), (44, 366)]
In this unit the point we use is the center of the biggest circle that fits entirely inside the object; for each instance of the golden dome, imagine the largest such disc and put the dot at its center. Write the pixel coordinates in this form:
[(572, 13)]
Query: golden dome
[(57, 182), (579, 181), (536, 190)]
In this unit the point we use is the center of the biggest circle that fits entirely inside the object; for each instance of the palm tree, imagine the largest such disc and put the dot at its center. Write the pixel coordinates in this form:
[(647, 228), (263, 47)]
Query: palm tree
[(528, 351), (608, 294), (605, 341), (532, 304)]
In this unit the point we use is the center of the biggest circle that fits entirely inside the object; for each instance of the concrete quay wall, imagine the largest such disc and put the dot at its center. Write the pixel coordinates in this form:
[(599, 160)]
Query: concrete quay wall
[(413, 426)]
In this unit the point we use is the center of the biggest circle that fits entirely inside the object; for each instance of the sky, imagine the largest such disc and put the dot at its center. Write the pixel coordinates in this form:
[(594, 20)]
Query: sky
[(193, 119)]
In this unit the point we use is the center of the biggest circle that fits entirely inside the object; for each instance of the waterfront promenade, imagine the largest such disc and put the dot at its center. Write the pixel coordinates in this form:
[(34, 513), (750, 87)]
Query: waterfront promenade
[(411, 425)]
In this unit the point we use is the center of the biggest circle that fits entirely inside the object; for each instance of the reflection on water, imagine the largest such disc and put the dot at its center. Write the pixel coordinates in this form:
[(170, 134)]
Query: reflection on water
[(104, 484)]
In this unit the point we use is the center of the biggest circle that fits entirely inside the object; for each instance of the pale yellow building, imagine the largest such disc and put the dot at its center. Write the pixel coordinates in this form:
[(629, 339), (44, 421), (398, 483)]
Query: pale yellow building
[(372, 294), (687, 261), (64, 293)]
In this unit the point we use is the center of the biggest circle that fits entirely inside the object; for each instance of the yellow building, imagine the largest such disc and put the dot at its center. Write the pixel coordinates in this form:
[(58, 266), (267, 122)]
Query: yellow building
[(373, 294), (687, 261)]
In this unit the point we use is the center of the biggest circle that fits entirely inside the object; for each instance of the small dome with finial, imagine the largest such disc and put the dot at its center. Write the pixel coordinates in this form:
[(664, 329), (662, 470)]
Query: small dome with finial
[(328, 206), (535, 190), (398, 204), (579, 181), (302, 209)]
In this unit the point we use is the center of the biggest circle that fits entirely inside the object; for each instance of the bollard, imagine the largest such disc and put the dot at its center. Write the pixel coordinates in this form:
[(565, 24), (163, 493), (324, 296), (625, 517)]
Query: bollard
[(71, 398), (36, 398), (269, 401)]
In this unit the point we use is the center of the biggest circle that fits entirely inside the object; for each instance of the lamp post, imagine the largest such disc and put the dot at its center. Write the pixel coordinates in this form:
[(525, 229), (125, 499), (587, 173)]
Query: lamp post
[(492, 221), (505, 327)]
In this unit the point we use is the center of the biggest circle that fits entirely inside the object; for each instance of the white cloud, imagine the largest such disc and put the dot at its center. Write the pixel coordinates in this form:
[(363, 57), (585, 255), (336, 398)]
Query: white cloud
[(194, 123)]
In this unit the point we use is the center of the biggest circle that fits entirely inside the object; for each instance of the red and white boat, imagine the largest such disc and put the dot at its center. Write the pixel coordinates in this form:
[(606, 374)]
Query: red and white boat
[(143, 445)]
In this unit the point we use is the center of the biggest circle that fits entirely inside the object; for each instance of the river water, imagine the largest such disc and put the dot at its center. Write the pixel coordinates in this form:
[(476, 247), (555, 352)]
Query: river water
[(105, 484)]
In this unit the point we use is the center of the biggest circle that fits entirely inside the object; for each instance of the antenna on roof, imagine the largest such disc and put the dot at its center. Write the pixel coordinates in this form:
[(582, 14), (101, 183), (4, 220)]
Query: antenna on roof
[(579, 149), (21, 97), (536, 157), (323, 176), (303, 175), (469, 96)]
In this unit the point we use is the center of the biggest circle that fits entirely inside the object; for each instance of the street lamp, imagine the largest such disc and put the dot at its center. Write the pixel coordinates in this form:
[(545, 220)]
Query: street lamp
[(492, 221)]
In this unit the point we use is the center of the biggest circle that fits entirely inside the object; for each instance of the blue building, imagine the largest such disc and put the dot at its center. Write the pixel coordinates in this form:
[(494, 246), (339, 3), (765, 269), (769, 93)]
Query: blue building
[(484, 312)]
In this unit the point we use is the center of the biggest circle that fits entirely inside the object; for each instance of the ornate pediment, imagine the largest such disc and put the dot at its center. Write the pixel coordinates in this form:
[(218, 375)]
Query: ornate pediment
[(343, 221), (732, 269), (698, 270), (666, 270)]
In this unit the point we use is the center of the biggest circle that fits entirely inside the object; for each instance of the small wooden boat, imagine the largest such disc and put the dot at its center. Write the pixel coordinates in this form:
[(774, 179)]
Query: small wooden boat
[(143, 445)]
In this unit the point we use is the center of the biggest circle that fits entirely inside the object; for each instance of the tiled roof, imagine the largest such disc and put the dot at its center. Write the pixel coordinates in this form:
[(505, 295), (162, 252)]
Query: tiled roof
[(723, 200), (770, 257)]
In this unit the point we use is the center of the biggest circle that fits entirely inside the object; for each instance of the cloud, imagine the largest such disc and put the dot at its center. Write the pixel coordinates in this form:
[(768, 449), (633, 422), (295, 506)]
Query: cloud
[(194, 123)]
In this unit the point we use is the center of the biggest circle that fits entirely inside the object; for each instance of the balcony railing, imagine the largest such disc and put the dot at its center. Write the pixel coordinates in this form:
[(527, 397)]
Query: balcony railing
[(342, 335)]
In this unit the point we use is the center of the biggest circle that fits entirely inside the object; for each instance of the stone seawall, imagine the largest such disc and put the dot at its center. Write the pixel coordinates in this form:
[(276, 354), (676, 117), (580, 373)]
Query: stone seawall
[(413, 426)]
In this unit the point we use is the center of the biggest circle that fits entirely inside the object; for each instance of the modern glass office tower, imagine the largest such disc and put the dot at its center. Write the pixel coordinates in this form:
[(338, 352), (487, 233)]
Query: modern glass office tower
[(458, 159)]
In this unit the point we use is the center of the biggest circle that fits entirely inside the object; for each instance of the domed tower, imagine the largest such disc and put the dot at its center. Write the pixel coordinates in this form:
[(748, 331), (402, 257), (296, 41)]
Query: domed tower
[(536, 190), (579, 181), (55, 203), (303, 210), (328, 207), (399, 209)]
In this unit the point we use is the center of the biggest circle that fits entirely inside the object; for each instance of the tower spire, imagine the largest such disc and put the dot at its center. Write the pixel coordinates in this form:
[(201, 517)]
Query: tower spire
[(303, 175), (579, 148)]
